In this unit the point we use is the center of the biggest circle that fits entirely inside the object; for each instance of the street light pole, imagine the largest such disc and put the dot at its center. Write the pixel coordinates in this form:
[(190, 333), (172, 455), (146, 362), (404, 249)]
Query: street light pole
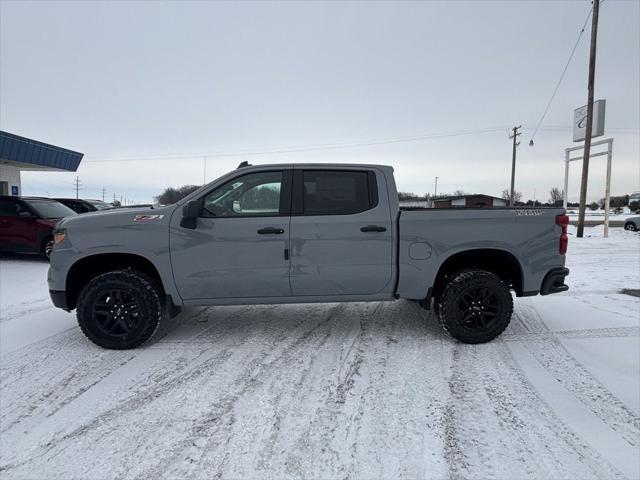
[(587, 138), (435, 190)]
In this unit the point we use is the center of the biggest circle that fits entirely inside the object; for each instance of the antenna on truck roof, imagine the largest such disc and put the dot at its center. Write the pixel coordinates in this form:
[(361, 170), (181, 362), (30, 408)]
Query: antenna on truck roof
[(244, 164)]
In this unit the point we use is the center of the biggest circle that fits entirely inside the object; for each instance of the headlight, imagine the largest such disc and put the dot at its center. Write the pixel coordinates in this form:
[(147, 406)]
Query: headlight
[(59, 234)]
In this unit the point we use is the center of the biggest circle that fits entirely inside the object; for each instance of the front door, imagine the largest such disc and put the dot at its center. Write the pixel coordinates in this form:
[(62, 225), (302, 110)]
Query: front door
[(239, 248), (341, 235)]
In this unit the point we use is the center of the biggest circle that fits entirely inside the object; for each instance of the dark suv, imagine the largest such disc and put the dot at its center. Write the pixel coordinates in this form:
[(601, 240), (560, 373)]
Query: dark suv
[(26, 223), (80, 205)]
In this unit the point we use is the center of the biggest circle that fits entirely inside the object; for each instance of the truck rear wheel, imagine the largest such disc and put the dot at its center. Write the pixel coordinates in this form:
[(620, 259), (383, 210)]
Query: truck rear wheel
[(475, 306), (120, 309)]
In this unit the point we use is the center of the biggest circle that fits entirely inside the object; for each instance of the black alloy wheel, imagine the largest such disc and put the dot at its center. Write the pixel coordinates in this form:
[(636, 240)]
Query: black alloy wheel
[(478, 309), (120, 309), (116, 312), (475, 306)]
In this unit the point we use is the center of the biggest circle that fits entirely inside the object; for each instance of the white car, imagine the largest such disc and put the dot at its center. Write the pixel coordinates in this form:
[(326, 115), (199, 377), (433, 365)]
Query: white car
[(632, 224)]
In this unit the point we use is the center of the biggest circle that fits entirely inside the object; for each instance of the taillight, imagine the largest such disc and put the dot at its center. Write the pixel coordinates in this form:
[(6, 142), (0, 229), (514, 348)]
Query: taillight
[(563, 221)]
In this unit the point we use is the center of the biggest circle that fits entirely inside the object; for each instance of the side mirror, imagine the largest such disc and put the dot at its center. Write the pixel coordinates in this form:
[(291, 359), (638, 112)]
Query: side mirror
[(190, 214), (25, 214)]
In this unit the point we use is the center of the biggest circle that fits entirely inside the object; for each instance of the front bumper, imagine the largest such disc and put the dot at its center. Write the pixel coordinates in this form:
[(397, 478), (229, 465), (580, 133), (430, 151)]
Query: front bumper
[(554, 281), (59, 299)]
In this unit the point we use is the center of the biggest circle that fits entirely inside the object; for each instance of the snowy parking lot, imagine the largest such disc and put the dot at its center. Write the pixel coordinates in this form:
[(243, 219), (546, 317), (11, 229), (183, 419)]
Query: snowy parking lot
[(331, 391)]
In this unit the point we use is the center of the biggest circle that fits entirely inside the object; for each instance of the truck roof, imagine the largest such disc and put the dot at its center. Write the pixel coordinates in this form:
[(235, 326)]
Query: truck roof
[(315, 165)]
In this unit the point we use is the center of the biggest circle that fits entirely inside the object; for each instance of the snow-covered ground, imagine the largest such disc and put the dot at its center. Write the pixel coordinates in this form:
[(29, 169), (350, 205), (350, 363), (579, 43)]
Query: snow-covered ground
[(331, 391)]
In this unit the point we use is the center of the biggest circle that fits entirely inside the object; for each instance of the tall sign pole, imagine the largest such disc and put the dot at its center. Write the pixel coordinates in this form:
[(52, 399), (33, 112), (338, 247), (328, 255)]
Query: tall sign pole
[(587, 140), (513, 164)]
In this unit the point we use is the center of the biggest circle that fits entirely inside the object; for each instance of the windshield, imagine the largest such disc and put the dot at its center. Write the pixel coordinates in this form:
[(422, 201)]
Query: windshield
[(100, 205), (50, 208)]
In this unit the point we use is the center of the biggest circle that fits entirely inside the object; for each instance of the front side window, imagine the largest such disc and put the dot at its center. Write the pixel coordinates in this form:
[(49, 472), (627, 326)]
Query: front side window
[(335, 192), (252, 195)]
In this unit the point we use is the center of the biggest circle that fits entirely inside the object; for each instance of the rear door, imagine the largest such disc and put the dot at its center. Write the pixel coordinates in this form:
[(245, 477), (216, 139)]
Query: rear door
[(239, 248), (341, 234)]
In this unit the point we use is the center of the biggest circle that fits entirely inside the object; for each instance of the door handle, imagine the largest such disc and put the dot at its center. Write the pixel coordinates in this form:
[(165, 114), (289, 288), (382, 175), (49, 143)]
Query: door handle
[(373, 228), (269, 230)]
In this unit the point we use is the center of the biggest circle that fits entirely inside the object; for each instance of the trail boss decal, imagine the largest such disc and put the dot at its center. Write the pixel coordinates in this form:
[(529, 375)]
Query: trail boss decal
[(528, 213), (147, 218)]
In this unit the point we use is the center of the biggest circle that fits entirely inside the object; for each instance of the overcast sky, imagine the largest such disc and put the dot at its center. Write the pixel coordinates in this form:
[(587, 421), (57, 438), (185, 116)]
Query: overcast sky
[(154, 79)]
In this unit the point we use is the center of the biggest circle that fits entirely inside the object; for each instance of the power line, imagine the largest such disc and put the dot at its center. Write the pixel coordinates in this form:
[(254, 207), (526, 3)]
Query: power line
[(297, 149), (564, 71), (631, 131)]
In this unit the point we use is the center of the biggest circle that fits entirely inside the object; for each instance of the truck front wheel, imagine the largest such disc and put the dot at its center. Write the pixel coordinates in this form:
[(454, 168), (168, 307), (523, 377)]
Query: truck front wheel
[(120, 309), (475, 306)]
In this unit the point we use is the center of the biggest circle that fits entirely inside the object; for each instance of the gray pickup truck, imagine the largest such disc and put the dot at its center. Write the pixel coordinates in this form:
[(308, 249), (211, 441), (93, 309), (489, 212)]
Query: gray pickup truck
[(302, 233)]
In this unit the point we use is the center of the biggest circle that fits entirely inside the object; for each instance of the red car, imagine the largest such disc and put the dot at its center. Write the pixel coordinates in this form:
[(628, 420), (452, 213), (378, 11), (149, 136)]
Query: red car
[(27, 223)]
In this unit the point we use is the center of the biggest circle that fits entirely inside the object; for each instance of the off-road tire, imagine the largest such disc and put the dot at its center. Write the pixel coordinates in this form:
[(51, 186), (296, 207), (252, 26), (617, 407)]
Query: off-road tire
[(454, 299), (132, 285)]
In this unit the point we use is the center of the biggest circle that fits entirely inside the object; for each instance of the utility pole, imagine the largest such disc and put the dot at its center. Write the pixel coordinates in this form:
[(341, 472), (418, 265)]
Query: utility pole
[(77, 184), (587, 138), (513, 163), (104, 191), (435, 190)]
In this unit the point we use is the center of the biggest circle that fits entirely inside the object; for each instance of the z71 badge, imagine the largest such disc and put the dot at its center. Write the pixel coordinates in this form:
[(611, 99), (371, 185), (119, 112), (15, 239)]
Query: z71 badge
[(147, 218), (529, 213)]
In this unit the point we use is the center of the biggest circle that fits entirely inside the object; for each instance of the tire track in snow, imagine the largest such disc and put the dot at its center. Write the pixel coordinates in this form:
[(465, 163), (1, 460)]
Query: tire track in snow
[(17, 310), (25, 398), (212, 431), (214, 417), (260, 397), (520, 427), (557, 360), (615, 332), (88, 366), (107, 422)]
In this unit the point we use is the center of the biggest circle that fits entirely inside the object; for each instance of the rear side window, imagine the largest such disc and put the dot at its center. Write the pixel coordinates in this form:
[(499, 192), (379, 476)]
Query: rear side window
[(338, 192)]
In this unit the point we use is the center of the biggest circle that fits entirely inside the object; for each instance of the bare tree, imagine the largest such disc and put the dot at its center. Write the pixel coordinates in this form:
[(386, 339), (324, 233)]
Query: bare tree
[(556, 196), (459, 193), (517, 196), (172, 195)]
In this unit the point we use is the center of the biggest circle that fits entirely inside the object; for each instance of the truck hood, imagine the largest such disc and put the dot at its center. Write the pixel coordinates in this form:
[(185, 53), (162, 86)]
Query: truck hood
[(119, 217)]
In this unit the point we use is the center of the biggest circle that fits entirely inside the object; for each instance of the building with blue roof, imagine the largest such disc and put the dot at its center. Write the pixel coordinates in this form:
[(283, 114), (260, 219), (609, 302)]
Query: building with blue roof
[(20, 153)]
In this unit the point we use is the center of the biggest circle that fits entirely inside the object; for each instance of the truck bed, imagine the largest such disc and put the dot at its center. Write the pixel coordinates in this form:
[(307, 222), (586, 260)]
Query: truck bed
[(429, 236)]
